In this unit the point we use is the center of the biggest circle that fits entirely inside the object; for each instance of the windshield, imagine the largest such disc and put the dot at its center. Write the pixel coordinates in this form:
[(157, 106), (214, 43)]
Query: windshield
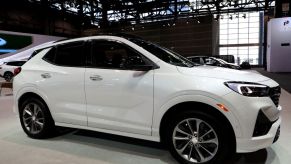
[(164, 54)]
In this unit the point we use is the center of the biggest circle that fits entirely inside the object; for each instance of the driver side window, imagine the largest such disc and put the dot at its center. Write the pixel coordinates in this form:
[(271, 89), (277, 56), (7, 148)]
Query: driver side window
[(114, 55)]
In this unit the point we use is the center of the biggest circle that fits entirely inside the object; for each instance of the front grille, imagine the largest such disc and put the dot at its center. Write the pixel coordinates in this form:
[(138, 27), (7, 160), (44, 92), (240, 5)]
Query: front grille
[(275, 95)]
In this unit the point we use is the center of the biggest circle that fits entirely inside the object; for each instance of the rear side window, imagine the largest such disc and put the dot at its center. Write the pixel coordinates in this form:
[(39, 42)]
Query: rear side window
[(50, 55), (70, 55)]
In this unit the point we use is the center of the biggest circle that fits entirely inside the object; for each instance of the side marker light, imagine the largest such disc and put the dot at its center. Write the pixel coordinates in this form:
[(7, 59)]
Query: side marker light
[(221, 106)]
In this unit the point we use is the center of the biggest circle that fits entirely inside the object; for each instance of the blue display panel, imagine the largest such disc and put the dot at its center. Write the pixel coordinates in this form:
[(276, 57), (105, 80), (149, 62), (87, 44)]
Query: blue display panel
[(11, 43)]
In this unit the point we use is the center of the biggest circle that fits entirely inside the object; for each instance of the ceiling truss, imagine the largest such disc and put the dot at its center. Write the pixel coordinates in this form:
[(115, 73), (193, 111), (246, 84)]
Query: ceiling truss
[(104, 12)]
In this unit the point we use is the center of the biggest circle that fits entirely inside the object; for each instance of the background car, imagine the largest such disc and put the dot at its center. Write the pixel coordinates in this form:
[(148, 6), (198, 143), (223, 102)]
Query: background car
[(212, 61), (25, 54), (7, 69)]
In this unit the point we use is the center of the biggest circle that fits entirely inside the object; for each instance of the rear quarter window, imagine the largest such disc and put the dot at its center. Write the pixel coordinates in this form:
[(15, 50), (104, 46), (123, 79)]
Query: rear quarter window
[(69, 55), (50, 55)]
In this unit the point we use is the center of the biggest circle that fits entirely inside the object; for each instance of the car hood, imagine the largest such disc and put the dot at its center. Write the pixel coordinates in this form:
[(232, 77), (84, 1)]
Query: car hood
[(222, 73)]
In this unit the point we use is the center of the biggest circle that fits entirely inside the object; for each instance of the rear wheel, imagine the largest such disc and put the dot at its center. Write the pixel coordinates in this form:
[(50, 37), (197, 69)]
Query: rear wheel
[(35, 119), (8, 76), (196, 137)]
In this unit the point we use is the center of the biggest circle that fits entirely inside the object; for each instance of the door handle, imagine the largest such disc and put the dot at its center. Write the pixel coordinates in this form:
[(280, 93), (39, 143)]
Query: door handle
[(96, 78), (45, 75)]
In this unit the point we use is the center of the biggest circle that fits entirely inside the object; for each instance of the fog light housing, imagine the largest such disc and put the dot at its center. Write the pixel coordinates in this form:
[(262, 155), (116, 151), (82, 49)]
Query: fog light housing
[(263, 125), (277, 135)]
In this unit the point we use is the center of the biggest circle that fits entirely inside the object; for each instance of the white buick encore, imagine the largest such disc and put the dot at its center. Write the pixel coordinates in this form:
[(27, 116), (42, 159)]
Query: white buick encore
[(127, 86)]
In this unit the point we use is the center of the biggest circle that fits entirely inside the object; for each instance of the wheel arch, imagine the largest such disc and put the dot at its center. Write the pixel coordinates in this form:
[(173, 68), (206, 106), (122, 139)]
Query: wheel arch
[(182, 107), (27, 95)]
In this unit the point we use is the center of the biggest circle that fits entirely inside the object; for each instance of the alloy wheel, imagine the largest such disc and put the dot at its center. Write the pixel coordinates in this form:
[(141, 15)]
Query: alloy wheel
[(195, 140), (33, 118)]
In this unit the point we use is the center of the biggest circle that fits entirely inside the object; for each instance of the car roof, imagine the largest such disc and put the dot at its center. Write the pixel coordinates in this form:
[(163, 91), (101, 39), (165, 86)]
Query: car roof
[(99, 36), (118, 35)]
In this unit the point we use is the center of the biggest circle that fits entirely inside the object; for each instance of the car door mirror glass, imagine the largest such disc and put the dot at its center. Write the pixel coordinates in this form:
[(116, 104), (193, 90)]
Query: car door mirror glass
[(134, 60)]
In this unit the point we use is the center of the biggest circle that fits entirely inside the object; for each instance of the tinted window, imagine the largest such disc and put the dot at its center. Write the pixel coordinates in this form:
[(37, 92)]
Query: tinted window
[(50, 55), (164, 54), (16, 63), (110, 54), (70, 54)]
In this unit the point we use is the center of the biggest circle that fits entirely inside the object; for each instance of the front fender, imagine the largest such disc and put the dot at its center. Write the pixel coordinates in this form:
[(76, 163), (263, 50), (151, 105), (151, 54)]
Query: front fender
[(160, 112)]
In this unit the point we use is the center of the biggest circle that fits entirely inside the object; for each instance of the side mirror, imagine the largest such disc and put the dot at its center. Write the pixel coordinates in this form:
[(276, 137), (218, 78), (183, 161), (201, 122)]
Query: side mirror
[(141, 67), (137, 63)]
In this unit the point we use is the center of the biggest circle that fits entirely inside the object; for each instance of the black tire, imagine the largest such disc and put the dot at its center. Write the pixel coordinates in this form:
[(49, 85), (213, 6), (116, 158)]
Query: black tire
[(48, 126), (223, 149), (8, 76)]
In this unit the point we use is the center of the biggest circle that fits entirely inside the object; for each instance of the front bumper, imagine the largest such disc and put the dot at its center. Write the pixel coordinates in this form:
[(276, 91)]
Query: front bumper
[(257, 143), (246, 110)]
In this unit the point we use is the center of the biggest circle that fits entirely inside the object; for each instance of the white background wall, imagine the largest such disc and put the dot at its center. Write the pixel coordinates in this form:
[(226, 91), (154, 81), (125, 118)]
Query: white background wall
[(278, 56)]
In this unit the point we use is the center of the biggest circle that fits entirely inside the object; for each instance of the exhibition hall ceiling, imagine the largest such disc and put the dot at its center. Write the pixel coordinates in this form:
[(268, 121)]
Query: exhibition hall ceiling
[(142, 11)]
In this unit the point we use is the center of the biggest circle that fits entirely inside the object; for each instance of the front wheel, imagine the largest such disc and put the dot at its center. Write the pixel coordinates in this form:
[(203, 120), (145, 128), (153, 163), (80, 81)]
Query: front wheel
[(35, 119), (196, 137)]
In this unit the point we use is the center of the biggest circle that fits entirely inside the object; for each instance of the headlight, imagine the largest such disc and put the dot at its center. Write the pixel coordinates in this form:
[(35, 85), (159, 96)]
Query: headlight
[(249, 89)]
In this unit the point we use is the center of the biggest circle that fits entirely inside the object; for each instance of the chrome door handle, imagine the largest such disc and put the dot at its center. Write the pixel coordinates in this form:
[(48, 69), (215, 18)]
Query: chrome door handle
[(96, 78), (45, 75)]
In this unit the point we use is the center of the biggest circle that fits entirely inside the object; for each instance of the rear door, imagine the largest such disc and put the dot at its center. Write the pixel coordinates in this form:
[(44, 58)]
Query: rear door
[(62, 80)]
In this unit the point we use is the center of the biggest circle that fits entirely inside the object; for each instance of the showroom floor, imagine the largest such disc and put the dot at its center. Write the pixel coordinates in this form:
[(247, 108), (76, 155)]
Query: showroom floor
[(77, 146)]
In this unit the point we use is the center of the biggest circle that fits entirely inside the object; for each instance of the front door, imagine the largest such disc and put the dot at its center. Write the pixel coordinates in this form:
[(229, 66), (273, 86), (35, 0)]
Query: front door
[(118, 96)]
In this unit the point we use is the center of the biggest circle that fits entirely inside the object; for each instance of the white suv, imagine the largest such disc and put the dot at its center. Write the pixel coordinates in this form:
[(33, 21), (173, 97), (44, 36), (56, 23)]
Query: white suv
[(130, 87), (7, 69)]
